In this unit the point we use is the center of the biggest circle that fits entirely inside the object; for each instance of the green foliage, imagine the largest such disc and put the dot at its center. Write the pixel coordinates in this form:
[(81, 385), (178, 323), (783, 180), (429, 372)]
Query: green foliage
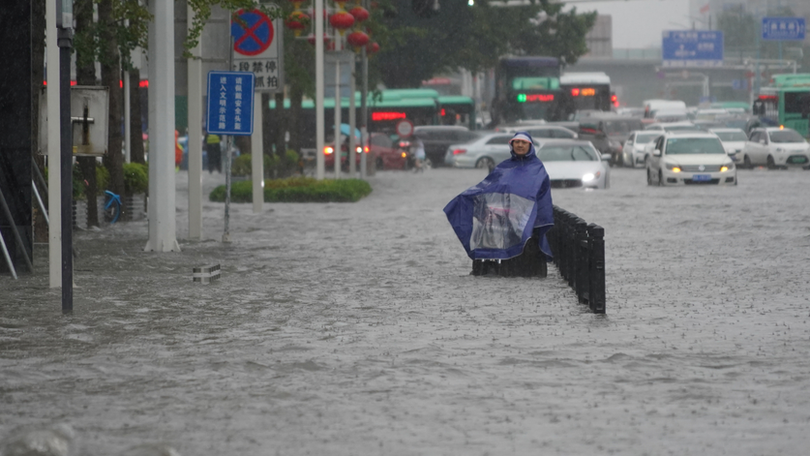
[(136, 178), (284, 166), (297, 190), (102, 178), (78, 183), (475, 37)]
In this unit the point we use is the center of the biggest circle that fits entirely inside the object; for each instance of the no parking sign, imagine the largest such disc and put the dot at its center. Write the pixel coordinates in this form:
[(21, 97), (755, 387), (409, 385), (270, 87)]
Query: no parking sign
[(257, 48)]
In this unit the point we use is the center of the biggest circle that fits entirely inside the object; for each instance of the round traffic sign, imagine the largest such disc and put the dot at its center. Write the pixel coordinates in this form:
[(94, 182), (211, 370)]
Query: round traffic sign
[(404, 128), (252, 32)]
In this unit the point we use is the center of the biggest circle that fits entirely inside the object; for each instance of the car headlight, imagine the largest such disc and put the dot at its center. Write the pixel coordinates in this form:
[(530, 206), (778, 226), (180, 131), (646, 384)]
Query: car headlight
[(674, 168), (726, 167), (591, 176)]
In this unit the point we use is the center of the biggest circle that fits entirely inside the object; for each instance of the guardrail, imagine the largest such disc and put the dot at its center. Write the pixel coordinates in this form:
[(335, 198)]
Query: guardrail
[(579, 253)]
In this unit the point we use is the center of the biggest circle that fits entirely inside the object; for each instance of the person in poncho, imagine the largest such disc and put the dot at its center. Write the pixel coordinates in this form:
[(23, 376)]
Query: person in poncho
[(502, 221)]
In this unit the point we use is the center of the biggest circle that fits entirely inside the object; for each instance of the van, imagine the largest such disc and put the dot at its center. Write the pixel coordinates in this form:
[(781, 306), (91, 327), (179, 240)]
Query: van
[(652, 106)]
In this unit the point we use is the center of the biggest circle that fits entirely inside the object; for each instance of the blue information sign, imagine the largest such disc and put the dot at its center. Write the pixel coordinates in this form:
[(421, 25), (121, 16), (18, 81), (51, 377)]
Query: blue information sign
[(783, 28), (692, 48), (230, 103)]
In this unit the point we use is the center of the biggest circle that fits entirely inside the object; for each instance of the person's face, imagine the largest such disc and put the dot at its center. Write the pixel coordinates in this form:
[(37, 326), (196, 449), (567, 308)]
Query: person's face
[(520, 146)]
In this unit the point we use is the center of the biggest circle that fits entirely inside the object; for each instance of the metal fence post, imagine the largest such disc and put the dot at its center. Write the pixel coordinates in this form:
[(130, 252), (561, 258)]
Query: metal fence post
[(596, 298)]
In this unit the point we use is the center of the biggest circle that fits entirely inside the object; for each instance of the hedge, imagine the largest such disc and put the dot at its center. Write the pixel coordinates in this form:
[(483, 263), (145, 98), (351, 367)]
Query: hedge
[(297, 190)]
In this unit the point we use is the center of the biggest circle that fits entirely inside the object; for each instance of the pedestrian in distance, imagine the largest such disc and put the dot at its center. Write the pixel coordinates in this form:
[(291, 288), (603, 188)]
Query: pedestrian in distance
[(214, 151), (418, 152), (502, 221)]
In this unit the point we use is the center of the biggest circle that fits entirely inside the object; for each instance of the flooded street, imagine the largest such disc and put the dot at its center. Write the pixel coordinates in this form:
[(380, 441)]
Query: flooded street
[(356, 329)]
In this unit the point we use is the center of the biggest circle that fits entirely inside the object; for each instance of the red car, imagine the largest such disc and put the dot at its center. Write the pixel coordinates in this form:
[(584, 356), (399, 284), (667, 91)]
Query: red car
[(384, 152), (387, 154)]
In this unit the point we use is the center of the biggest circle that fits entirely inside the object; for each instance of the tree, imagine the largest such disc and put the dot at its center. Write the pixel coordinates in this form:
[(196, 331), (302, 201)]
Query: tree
[(474, 37)]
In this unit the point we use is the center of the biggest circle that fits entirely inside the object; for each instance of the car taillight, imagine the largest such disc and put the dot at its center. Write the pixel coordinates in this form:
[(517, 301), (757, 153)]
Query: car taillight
[(459, 151), (366, 149), (328, 150)]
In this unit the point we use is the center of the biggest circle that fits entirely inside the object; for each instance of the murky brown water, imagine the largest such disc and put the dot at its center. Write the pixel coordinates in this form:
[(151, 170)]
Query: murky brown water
[(348, 329)]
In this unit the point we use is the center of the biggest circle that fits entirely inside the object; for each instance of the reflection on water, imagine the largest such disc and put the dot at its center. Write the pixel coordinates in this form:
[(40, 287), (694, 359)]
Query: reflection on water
[(356, 329)]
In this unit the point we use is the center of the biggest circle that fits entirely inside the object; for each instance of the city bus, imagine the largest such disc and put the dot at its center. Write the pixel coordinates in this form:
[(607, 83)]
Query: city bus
[(584, 91), (420, 106), (526, 88), (786, 101)]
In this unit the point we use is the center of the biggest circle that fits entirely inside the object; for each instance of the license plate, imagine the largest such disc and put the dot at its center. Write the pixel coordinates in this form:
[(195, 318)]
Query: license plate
[(797, 160), (701, 178)]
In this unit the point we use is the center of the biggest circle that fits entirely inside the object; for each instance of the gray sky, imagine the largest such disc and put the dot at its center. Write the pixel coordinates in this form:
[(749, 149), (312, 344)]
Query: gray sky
[(639, 23)]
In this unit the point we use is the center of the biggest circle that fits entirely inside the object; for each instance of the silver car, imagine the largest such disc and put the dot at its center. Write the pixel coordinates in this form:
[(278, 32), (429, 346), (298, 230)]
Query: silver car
[(485, 152), (733, 140), (574, 164), (633, 153)]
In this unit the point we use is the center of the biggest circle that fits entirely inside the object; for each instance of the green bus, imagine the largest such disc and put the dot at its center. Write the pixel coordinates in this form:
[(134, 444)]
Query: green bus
[(420, 106), (786, 101)]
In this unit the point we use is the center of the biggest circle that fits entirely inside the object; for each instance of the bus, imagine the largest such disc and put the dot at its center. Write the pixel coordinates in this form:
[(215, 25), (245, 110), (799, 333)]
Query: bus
[(526, 88), (584, 91), (420, 106), (786, 101)]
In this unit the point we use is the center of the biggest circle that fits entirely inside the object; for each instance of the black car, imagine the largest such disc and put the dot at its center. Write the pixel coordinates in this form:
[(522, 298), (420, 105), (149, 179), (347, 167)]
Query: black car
[(437, 138), (608, 133)]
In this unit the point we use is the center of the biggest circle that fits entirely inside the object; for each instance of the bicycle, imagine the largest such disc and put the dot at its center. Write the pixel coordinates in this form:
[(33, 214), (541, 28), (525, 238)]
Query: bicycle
[(112, 207)]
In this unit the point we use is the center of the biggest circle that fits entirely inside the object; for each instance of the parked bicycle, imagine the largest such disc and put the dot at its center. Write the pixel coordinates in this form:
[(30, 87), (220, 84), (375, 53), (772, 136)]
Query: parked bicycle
[(112, 207)]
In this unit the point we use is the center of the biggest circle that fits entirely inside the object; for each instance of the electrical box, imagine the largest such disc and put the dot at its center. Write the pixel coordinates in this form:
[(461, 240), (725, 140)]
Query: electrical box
[(89, 112)]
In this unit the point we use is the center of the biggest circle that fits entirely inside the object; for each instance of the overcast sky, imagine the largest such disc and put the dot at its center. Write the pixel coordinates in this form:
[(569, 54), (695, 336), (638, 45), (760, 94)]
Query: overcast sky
[(639, 23)]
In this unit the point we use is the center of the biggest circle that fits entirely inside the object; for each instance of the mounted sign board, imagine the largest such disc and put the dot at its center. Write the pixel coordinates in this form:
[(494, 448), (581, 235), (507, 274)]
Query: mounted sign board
[(258, 49), (230, 103), (783, 28), (404, 128), (89, 112), (692, 48)]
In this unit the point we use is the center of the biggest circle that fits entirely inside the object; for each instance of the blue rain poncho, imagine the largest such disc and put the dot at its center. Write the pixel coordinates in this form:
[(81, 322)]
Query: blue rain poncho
[(495, 219)]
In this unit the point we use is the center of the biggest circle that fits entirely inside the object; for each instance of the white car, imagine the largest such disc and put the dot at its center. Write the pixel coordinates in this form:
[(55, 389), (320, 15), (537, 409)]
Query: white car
[(574, 163), (485, 152), (733, 140), (633, 151), (776, 147), (685, 158), (672, 126)]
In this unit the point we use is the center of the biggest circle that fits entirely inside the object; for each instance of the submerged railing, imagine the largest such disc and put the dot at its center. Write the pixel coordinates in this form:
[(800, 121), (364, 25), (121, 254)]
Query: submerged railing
[(579, 253)]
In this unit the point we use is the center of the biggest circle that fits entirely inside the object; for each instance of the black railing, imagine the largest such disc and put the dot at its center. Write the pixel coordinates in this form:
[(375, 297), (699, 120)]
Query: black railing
[(579, 253)]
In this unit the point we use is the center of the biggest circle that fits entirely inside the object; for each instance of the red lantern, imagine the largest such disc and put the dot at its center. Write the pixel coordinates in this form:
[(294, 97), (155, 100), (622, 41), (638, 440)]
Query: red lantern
[(326, 39), (372, 47), (357, 39), (360, 14), (297, 21), (341, 21)]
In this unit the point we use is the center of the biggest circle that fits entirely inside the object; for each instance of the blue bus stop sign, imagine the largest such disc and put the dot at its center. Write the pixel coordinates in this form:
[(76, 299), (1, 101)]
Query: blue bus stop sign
[(783, 28), (230, 103), (692, 48)]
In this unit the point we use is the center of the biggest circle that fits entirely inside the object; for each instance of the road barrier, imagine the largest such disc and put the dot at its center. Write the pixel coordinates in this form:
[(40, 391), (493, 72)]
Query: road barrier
[(579, 253)]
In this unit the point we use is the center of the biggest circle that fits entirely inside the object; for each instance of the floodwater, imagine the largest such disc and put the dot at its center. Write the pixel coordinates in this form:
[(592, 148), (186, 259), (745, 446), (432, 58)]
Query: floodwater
[(356, 329)]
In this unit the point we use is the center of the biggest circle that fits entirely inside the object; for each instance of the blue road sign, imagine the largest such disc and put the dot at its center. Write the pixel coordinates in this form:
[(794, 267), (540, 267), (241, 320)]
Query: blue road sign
[(230, 103), (692, 48), (783, 28)]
